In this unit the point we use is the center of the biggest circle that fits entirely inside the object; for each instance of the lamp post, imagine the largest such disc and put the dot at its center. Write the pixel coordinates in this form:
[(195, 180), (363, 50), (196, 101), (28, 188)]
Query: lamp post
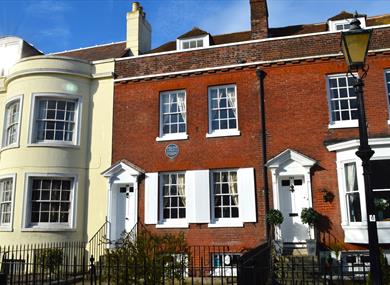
[(354, 43)]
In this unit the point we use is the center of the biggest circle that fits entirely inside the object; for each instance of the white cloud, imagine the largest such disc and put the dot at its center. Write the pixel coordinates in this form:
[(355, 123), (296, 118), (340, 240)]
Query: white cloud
[(51, 8), (54, 18), (55, 32)]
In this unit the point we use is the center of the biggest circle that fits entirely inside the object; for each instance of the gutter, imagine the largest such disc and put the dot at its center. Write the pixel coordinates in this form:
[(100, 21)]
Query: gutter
[(261, 76)]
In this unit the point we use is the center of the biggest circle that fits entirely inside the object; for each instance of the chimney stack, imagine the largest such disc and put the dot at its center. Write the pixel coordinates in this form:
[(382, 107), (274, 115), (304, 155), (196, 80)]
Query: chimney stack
[(139, 31), (259, 19)]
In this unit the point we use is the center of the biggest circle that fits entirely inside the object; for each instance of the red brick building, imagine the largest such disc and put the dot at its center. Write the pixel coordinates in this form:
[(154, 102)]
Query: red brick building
[(216, 125)]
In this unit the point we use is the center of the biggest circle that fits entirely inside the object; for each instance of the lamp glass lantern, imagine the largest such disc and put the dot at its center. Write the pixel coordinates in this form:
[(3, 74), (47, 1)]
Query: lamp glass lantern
[(355, 44)]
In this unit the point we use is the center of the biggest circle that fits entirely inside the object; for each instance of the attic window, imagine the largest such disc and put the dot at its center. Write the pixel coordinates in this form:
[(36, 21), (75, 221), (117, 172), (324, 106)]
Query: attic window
[(193, 43), (344, 25)]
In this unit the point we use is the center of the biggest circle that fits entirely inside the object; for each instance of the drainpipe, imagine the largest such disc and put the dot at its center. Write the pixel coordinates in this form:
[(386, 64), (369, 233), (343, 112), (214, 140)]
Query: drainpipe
[(261, 76)]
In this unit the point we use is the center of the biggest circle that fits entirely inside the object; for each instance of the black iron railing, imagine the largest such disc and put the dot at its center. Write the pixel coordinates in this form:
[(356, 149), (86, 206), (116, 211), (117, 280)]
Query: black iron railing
[(98, 244)]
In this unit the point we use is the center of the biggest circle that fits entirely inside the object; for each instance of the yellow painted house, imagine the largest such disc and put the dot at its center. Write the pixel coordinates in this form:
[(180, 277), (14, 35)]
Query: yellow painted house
[(56, 136)]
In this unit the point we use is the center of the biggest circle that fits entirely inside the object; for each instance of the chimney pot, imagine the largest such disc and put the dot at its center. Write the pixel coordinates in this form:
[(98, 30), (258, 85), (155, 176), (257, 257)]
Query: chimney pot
[(135, 6)]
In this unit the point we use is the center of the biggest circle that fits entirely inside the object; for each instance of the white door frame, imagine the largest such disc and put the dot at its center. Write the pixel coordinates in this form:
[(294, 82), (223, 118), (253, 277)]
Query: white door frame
[(119, 174), (289, 163)]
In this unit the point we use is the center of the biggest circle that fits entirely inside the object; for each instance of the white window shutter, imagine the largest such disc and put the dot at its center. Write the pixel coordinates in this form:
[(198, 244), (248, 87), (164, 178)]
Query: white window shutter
[(151, 198), (246, 194), (198, 196)]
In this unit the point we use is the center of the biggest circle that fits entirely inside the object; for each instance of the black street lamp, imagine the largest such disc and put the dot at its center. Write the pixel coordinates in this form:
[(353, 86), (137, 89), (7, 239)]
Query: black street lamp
[(354, 43)]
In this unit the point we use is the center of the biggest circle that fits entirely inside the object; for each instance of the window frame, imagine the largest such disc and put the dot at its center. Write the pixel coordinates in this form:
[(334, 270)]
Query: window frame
[(180, 42), (9, 226), (8, 103), (27, 225), (172, 136), (32, 141), (171, 222), (222, 132), (387, 88), (380, 189), (347, 193), (224, 222), (352, 123)]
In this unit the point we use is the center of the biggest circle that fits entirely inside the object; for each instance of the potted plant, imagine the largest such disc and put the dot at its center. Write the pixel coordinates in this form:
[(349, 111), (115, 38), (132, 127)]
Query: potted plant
[(310, 217), (336, 249), (275, 218), (381, 204)]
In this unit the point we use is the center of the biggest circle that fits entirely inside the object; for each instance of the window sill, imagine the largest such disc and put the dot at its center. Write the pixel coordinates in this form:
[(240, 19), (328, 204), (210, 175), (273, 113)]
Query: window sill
[(227, 223), (6, 229), (173, 225), (227, 133), (172, 137), (388, 122), (48, 228), (53, 145), (344, 124), (11, 146)]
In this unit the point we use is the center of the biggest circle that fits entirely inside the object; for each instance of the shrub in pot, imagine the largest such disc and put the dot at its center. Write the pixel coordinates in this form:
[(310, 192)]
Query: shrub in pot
[(275, 218), (310, 217)]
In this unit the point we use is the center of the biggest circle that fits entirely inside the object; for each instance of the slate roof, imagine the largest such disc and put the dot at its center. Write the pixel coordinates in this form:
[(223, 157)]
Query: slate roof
[(195, 32), (114, 50), (342, 16), (118, 50)]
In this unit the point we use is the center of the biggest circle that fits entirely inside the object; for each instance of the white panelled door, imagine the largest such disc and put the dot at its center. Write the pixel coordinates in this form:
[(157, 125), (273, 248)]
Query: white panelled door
[(293, 198), (126, 209)]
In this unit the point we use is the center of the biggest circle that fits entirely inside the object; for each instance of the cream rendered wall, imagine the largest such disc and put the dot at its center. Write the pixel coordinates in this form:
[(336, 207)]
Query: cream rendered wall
[(101, 145), (60, 75)]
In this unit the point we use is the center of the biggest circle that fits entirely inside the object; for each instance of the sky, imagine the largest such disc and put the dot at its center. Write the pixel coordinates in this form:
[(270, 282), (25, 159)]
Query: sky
[(58, 25)]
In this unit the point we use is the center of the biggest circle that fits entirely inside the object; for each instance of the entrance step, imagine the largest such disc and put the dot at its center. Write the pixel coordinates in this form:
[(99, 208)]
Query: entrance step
[(296, 270), (295, 249)]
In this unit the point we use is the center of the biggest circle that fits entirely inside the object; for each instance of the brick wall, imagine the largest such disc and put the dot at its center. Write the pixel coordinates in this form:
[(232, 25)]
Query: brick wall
[(136, 126), (297, 117)]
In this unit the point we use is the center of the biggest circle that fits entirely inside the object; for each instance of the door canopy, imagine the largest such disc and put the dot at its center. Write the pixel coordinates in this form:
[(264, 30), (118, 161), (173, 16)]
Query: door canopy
[(122, 171), (290, 161)]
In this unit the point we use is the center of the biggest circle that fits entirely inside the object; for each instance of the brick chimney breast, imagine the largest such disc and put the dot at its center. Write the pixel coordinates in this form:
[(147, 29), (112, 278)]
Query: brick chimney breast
[(259, 19)]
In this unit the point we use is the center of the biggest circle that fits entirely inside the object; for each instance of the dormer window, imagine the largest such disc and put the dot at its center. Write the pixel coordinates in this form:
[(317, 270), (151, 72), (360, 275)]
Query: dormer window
[(196, 38), (193, 43), (343, 26), (342, 22)]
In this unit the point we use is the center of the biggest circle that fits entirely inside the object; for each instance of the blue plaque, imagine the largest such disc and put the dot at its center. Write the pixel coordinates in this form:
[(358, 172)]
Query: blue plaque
[(171, 151)]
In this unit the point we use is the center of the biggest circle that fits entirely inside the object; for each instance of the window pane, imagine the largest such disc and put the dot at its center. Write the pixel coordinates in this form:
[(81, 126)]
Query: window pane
[(353, 196), (173, 194), (342, 97), (173, 113), (355, 214), (225, 194), (6, 186), (382, 205), (11, 123), (50, 200), (351, 177), (380, 174), (55, 120), (223, 108)]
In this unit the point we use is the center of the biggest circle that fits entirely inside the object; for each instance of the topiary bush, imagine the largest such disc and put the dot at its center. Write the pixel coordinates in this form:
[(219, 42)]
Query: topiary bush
[(274, 217), (310, 217)]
